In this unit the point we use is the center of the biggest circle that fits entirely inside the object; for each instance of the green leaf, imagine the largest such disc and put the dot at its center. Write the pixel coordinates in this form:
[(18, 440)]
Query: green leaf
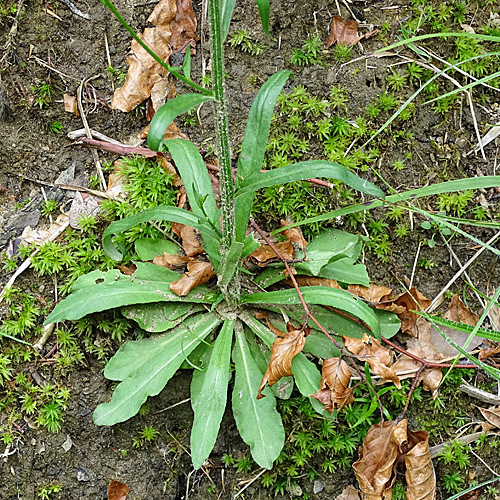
[(346, 271), (227, 7), (320, 345), (149, 248), (250, 245), (308, 379), (229, 263), (160, 317), (194, 175), (123, 291), (263, 6), (389, 323), (258, 421), (441, 187), (307, 169), (271, 274), (172, 214), (145, 366), (254, 143), (167, 113), (209, 404), (339, 299), (186, 64)]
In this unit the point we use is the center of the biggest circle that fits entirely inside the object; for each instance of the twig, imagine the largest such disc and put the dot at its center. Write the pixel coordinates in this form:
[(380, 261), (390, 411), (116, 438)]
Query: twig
[(249, 483), (89, 135), (483, 396), (415, 264), (173, 406), (468, 438), (47, 332), (76, 134), (482, 461), (48, 66)]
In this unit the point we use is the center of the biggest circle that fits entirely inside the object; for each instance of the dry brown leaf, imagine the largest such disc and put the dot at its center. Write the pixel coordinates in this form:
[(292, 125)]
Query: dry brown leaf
[(172, 261), (313, 281), (283, 349), (169, 168), (198, 273), (172, 132), (349, 493), (187, 234), (420, 475), (380, 359), (334, 391), (458, 311), (183, 27), (143, 70), (70, 104), (265, 254), (372, 293), (342, 32), (374, 469), (403, 305), (117, 490), (487, 352), (181, 197), (492, 415), (294, 235), (128, 270)]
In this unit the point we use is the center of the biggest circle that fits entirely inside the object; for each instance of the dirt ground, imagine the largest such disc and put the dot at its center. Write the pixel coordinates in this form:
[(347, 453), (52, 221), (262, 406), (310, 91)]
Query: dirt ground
[(66, 50)]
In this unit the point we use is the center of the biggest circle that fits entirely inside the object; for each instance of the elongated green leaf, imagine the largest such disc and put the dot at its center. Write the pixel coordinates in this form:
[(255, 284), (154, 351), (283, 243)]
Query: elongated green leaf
[(172, 214), (254, 143), (167, 113), (258, 421), (307, 169), (339, 299), (194, 175), (389, 323), (346, 271), (442, 187), (308, 379), (210, 403), (186, 64), (145, 366), (263, 6), (123, 291), (160, 317), (226, 13), (149, 248), (229, 263)]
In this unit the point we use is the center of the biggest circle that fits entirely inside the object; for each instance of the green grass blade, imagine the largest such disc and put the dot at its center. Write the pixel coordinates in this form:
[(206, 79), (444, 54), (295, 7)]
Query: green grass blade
[(413, 194), (229, 263), (258, 421), (264, 9), (172, 214), (338, 299), (167, 113), (307, 169), (227, 7), (145, 366), (210, 403)]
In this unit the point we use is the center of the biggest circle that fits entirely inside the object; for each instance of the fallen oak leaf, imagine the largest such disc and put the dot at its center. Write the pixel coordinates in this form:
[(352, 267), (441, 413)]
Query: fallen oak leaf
[(334, 391), (197, 273), (375, 468), (286, 346), (117, 490), (380, 359)]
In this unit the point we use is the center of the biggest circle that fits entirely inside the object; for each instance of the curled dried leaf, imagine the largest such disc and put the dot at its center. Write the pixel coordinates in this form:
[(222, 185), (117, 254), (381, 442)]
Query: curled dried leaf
[(117, 490), (265, 254), (334, 389), (188, 235), (198, 273), (458, 311), (172, 261), (374, 469), (342, 32), (372, 293), (380, 359), (492, 415), (314, 281), (286, 346), (420, 475), (294, 235), (349, 493)]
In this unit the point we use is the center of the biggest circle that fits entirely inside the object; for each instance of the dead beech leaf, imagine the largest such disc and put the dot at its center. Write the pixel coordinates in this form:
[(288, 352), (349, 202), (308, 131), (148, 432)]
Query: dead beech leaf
[(265, 254), (349, 493), (143, 70), (283, 349), (334, 391), (403, 305), (374, 469), (380, 359), (181, 197), (492, 415), (172, 132), (458, 311), (117, 490), (294, 235), (420, 475), (313, 281), (372, 293), (171, 261), (170, 169), (70, 104), (187, 234), (487, 352), (183, 27), (198, 273), (128, 270), (342, 32), (163, 14)]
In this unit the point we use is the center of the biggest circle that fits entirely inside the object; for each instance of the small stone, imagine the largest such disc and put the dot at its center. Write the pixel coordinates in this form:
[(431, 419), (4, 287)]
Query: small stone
[(67, 445), (83, 475), (23, 219), (318, 486), (295, 491), (66, 177)]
